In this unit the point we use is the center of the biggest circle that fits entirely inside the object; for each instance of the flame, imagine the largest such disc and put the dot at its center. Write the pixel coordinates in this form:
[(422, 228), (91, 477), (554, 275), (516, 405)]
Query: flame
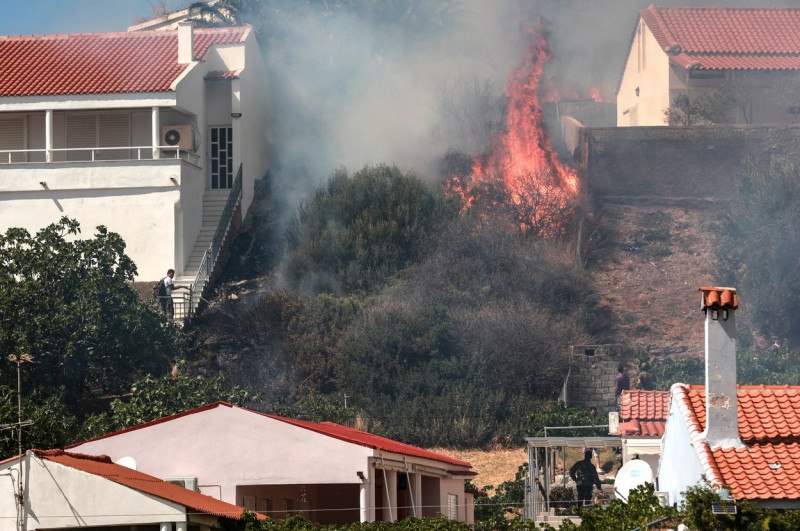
[(536, 184)]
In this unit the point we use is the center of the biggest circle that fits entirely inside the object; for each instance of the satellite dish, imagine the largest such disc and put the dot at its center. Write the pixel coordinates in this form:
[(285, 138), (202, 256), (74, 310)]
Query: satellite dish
[(127, 461), (632, 474)]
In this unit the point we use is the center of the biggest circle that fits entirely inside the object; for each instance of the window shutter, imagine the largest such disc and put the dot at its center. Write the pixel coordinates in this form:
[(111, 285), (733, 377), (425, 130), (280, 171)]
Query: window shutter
[(114, 132), (12, 137), (81, 133)]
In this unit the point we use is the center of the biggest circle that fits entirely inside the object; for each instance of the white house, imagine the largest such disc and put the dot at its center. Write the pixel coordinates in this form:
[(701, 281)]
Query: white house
[(690, 51), (141, 131), (745, 437), (278, 466), (62, 490)]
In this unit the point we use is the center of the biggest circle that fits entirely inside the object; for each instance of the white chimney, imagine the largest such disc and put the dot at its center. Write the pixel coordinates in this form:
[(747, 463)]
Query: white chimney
[(722, 410), (185, 42)]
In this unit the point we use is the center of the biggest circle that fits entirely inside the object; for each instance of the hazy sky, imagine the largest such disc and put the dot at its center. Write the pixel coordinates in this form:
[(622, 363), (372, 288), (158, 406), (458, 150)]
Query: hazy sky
[(35, 17)]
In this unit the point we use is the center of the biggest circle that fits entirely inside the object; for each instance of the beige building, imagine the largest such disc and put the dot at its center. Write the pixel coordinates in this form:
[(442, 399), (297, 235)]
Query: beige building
[(692, 51)]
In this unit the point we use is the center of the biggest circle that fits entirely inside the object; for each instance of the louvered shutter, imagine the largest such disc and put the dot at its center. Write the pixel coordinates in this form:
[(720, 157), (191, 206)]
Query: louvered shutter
[(12, 138), (81, 133), (114, 132)]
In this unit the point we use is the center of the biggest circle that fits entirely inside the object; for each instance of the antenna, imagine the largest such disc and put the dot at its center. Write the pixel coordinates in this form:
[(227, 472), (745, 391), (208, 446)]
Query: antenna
[(19, 359)]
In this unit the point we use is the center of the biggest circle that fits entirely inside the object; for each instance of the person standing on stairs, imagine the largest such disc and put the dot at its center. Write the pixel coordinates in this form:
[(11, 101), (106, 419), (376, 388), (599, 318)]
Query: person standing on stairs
[(166, 302)]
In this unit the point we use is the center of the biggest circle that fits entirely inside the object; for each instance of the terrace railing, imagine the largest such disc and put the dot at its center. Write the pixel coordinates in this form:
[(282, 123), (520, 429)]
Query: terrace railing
[(97, 154)]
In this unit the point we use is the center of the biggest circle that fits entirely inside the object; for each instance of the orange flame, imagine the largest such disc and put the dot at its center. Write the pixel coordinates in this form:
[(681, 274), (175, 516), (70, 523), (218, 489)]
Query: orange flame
[(522, 157)]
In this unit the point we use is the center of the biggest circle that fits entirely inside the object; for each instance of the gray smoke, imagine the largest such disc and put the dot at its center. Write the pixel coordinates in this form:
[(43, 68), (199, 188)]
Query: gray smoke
[(405, 81)]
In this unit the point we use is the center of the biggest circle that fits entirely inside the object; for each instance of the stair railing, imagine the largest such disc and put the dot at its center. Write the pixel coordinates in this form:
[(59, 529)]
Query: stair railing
[(209, 260)]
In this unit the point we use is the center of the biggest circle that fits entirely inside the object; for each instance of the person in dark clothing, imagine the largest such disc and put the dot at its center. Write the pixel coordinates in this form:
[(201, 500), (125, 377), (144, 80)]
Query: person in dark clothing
[(621, 383), (585, 477)]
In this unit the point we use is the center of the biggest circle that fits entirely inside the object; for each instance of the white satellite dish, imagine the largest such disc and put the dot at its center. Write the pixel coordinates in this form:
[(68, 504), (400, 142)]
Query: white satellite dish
[(632, 474), (127, 461)]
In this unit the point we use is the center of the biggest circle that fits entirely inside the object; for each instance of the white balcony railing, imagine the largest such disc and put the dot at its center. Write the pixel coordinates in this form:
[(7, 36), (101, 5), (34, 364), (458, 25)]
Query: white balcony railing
[(97, 154)]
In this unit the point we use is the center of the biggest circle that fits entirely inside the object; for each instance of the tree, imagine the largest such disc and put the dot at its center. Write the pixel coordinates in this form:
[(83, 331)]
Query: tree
[(156, 397), (358, 230), (761, 244), (69, 304)]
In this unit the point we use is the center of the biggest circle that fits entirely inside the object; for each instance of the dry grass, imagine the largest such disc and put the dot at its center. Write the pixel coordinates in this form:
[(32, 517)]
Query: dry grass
[(493, 466)]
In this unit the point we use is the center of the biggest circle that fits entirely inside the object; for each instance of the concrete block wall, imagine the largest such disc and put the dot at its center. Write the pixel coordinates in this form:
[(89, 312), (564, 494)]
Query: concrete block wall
[(593, 369), (678, 162)]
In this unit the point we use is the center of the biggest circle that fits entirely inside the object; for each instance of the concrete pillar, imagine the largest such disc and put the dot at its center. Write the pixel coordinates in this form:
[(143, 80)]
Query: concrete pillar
[(391, 492), (364, 504), (416, 489), (181, 526), (156, 131), (165, 526), (48, 135)]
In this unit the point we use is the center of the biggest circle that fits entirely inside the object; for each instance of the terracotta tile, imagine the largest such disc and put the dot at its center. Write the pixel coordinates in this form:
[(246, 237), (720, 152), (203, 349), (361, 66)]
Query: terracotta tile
[(726, 38), (102, 466), (99, 63)]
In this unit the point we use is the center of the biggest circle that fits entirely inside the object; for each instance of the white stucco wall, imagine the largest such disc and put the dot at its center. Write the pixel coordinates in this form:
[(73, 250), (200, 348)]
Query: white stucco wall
[(62, 497), (679, 467), (647, 67), (133, 198), (230, 446)]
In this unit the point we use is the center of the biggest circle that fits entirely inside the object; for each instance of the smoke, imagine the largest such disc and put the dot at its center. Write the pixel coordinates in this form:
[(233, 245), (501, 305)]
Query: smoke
[(405, 82)]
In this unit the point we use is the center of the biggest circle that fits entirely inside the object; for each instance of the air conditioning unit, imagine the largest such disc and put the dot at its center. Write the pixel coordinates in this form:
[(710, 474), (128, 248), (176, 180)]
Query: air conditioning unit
[(177, 136), (186, 483)]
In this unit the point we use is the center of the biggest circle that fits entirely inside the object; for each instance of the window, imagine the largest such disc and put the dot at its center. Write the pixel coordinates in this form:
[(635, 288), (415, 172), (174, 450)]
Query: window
[(249, 502), (452, 506), (633, 115), (288, 506), (221, 158), (266, 506)]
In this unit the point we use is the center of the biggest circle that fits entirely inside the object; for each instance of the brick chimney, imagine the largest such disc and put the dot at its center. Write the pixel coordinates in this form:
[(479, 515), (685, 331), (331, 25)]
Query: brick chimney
[(722, 423), (185, 42)]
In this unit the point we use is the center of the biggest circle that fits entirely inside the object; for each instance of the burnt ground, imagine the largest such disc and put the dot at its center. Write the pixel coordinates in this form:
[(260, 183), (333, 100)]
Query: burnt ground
[(647, 262)]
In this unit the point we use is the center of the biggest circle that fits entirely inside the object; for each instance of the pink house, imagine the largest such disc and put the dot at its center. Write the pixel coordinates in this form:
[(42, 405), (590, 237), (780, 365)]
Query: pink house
[(279, 466)]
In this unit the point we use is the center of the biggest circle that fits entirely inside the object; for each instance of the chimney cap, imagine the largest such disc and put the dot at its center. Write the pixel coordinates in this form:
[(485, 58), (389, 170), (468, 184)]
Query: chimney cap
[(720, 298)]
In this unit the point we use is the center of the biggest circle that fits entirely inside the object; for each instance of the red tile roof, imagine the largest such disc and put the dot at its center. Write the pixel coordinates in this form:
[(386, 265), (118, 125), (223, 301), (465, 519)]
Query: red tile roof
[(768, 466), (643, 413), (325, 428), (725, 38), (100, 63), (103, 466)]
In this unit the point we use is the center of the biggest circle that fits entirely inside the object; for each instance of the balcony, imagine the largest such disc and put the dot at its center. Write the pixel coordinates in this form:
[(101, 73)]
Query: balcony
[(95, 154)]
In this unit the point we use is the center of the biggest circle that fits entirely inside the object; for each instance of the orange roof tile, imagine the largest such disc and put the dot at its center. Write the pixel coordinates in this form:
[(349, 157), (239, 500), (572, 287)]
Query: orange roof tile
[(103, 466), (768, 466), (100, 63), (325, 428), (727, 38), (644, 413), (720, 298)]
